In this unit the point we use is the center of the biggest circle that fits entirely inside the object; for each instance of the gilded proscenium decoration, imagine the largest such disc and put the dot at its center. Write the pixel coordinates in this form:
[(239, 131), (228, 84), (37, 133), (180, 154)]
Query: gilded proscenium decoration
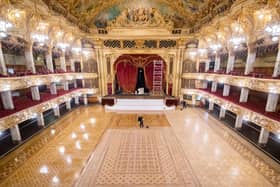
[(15, 83), (259, 84), (16, 118), (261, 120)]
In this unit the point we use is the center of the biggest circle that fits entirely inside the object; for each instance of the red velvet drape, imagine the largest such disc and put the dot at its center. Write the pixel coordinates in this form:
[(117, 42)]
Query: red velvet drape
[(148, 71), (127, 76)]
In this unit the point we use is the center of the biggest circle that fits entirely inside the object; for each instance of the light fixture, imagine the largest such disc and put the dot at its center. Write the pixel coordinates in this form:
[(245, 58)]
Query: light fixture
[(55, 179), (44, 169), (4, 27), (275, 38), (41, 38), (215, 47), (62, 45), (273, 29), (76, 49)]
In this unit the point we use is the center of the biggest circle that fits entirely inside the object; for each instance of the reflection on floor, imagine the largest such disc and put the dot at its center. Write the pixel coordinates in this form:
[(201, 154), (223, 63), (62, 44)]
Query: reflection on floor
[(195, 149)]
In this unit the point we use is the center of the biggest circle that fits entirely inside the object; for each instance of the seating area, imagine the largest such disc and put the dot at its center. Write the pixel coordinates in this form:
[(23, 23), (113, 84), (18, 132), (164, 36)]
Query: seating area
[(24, 102), (254, 103)]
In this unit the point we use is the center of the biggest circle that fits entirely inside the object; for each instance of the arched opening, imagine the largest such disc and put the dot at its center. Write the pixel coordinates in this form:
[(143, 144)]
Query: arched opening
[(135, 73)]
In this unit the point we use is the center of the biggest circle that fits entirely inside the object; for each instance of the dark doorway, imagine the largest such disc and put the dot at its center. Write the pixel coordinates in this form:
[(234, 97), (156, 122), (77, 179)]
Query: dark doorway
[(141, 80)]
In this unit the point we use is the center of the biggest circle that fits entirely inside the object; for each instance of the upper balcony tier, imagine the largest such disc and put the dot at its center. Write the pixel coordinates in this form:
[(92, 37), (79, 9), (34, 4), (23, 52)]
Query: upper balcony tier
[(253, 83), (15, 83)]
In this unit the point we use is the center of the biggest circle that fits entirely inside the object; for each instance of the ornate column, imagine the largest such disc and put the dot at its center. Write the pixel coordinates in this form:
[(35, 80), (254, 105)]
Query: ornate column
[(62, 61), (66, 85), (251, 58), (99, 57), (226, 90), (231, 59), (211, 105), (85, 99), (193, 100), (68, 104), (271, 103), (40, 120), (3, 68), (238, 121), (15, 133), (214, 86), (207, 65), (28, 52), (35, 93), (77, 100), (53, 88), (49, 59), (217, 62), (244, 95), (264, 135), (222, 113), (7, 100), (56, 111), (276, 71), (204, 84)]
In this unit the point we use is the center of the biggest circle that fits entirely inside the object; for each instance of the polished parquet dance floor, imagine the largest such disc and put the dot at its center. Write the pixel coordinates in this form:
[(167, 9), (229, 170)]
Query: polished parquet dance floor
[(89, 147)]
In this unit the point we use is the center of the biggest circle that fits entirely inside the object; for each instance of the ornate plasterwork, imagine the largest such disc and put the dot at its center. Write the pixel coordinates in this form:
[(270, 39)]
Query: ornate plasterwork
[(16, 118), (188, 12), (15, 83), (259, 119), (140, 17), (259, 84)]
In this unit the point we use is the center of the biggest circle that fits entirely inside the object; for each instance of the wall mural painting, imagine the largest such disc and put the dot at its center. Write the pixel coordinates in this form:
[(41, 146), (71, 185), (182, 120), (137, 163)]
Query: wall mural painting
[(134, 7)]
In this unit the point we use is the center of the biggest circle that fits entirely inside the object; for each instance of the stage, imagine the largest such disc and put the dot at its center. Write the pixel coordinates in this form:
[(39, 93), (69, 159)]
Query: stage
[(139, 103)]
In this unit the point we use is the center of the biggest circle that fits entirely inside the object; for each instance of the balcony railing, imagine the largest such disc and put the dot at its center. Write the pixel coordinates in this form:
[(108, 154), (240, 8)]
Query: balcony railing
[(259, 84), (14, 83)]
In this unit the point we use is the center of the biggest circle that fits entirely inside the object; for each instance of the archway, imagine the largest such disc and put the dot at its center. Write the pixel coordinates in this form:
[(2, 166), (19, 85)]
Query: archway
[(133, 71)]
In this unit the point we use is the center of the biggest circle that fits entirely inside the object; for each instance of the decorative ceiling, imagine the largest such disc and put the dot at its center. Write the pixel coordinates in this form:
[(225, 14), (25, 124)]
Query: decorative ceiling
[(98, 13)]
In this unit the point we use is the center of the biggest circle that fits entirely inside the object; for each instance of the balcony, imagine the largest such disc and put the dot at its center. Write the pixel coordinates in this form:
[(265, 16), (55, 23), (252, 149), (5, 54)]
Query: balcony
[(15, 83), (253, 83), (250, 113)]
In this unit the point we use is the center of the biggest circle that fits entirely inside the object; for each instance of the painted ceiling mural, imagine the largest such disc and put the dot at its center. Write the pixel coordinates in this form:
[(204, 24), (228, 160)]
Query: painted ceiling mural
[(101, 21), (97, 13)]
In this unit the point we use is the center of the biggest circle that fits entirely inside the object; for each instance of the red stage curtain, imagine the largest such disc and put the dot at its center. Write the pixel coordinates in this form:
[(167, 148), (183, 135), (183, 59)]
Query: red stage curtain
[(149, 75), (127, 76)]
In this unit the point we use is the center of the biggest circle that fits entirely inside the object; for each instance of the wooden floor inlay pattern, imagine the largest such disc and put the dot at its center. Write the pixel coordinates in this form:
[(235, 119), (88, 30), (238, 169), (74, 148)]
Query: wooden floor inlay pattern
[(138, 157)]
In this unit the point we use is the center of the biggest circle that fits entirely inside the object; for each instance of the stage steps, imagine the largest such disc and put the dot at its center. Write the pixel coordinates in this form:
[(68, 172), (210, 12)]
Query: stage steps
[(139, 105)]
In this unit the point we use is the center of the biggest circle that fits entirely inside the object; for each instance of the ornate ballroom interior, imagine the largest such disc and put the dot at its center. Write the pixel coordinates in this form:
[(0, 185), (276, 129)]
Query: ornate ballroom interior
[(78, 77)]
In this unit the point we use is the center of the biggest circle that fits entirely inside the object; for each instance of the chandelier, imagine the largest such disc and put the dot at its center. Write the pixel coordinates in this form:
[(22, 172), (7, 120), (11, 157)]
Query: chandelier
[(273, 29), (215, 47), (4, 27), (237, 40), (62, 45), (41, 38)]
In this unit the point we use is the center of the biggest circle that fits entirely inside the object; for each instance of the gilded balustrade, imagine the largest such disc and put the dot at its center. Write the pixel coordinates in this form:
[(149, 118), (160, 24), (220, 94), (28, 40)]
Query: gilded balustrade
[(258, 84), (14, 83)]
